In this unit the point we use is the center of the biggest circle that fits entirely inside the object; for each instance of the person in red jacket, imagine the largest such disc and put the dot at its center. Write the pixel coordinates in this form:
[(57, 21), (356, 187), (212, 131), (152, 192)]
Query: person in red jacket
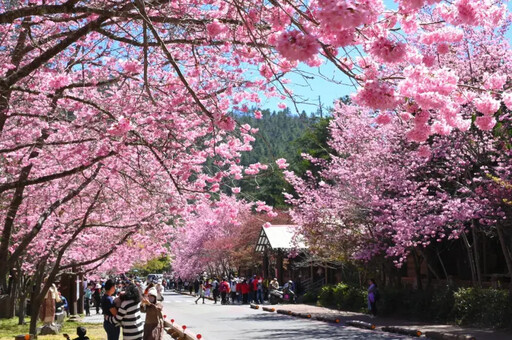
[(244, 287), (239, 290), (224, 291)]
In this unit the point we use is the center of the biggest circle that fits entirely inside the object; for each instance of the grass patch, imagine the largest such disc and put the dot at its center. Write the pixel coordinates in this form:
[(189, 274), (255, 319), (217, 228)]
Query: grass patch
[(9, 328)]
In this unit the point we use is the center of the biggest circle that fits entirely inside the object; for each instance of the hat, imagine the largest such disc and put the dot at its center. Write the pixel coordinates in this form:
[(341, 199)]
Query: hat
[(98, 286), (152, 291)]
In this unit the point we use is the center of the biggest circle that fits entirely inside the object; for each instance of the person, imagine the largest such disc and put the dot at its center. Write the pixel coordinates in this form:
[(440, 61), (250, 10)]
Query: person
[(274, 284), (97, 297), (128, 314), (190, 287), (87, 300), (139, 287), (81, 332), (148, 287), (196, 287), (232, 288), (62, 307), (244, 287), (47, 311), (200, 291), (224, 291), (372, 297), (215, 288), (154, 325), (109, 311), (159, 290), (259, 290), (207, 288), (180, 283), (288, 289), (252, 293)]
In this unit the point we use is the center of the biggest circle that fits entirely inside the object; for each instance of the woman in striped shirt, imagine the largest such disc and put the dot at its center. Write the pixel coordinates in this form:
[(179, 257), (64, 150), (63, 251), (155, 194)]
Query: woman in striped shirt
[(128, 314)]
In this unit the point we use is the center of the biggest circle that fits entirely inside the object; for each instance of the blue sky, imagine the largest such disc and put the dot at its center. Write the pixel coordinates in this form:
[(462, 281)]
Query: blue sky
[(324, 84), (317, 86)]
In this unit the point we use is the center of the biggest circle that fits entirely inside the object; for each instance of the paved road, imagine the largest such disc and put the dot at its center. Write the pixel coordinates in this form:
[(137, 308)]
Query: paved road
[(218, 322)]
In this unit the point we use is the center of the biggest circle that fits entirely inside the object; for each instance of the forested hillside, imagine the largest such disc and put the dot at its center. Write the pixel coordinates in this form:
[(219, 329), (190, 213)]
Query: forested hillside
[(281, 135)]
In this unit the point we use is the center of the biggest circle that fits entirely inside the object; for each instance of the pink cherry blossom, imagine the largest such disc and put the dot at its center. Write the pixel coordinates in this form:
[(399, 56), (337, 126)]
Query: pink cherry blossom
[(295, 45), (487, 105), (281, 163)]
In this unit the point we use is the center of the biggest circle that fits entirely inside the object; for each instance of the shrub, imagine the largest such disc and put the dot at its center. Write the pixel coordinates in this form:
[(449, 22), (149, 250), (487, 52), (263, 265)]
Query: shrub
[(435, 305), (343, 296), (467, 306), (482, 307), (326, 296)]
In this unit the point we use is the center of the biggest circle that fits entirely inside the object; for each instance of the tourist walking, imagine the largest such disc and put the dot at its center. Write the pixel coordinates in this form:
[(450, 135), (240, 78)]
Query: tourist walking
[(128, 314), (207, 289), (109, 311), (200, 291)]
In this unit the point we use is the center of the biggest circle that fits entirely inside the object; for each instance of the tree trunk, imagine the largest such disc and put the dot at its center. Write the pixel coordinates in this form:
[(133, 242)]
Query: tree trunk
[(506, 253), (21, 308), (471, 259), (35, 298), (442, 265), (13, 292), (24, 286), (417, 269), (477, 255), (429, 265)]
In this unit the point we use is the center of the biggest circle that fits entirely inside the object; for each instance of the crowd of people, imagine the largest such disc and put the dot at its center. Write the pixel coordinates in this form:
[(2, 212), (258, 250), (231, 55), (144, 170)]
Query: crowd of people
[(233, 290), (121, 303)]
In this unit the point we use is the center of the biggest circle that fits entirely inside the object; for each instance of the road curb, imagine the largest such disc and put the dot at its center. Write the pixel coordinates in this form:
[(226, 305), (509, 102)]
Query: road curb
[(180, 332), (327, 319), (402, 330), (448, 336), (283, 311), (301, 315), (360, 324)]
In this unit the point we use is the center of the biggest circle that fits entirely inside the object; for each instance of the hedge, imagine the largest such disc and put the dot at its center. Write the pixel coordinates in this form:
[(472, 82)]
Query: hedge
[(465, 306), (482, 307), (343, 296)]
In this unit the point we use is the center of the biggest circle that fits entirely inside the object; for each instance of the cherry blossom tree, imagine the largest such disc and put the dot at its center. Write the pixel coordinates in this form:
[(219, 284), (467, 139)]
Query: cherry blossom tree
[(381, 194), (114, 115)]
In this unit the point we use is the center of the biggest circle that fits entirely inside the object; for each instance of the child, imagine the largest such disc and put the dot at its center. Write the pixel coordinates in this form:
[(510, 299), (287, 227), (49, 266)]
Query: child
[(80, 331), (154, 326)]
